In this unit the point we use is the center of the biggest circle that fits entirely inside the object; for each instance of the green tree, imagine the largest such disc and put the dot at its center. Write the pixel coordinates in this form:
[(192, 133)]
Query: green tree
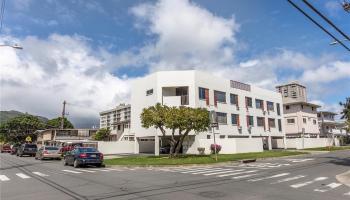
[(17, 129), (346, 109), (102, 134), (180, 121), (56, 123)]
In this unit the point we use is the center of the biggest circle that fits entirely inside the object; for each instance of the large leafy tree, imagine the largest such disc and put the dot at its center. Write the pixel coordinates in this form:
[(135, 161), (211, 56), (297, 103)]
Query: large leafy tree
[(56, 123), (102, 134), (346, 109), (17, 129), (179, 121)]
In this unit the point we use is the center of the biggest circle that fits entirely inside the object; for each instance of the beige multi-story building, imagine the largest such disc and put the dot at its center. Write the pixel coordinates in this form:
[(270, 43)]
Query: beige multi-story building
[(118, 121), (329, 127), (292, 92)]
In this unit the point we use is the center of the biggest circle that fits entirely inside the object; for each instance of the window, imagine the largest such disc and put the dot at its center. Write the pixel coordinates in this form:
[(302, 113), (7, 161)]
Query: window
[(314, 122), (272, 123), (302, 106), (290, 121), (234, 99), (312, 108), (278, 109), (149, 92), (235, 119), (222, 136), (260, 121), (304, 120), (279, 125), (222, 117), (259, 104), (208, 136), (250, 121), (230, 136), (248, 102), (220, 96), (201, 93), (287, 107), (270, 105)]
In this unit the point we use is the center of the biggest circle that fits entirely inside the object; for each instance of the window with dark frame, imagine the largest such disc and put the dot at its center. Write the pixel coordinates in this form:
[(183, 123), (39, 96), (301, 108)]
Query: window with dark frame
[(279, 125), (270, 106), (220, 96), (234, 119), (272, 123), (201, 93), (221, 117), (249, 102), (260, 121), (304, 120), (149, 92), (287, 107), (234, 99), (259, 104), (290, 121), (278, 109), (250, 120)]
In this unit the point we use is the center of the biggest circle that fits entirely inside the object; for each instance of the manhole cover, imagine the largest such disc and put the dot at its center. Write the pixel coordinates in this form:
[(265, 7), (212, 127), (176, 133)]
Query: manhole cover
[(212, 194)]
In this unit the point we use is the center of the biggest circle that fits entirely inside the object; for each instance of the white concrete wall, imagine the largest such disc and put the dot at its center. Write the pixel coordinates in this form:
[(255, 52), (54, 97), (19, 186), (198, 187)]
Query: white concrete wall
[(277, 143), (300, 143), (295, 112), (116, 147)]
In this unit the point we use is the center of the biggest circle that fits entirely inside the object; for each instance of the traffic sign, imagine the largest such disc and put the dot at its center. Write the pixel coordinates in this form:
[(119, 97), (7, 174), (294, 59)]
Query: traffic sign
[(28, 139)]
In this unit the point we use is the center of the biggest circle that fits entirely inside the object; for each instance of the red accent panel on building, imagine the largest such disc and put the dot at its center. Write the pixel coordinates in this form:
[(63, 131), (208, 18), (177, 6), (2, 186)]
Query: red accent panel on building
[(215, 100), (238, 122), (207, 96)]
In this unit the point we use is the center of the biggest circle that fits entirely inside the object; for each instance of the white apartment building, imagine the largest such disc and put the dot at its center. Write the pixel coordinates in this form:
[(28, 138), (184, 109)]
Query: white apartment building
[(329, 127), (250, 118), (118, 121)]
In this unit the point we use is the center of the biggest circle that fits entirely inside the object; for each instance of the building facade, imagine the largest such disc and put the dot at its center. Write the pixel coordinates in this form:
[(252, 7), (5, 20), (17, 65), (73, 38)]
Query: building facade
[(329, 127), (250, 118), (117, 120)]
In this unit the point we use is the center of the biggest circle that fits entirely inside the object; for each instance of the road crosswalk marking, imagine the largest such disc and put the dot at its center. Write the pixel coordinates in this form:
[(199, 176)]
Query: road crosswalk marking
[(199, 170), (21, 175), (299, 160), (222, 172), (71, 171), (232, 174), (101, 170), (328, 187), (269, 177), (4, 178), (244, 176), (209, 171), (40, 174), (298, 185), (84, 170), (288, 179)]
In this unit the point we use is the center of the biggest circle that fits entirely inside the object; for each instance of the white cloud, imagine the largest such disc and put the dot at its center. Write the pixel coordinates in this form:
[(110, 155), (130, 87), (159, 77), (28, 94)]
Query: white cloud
[(333, 7), (249, 63), (58, 68), (328, 72)]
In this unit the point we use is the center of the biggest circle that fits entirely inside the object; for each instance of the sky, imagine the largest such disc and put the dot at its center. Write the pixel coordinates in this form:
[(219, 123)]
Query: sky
[(88, 52)]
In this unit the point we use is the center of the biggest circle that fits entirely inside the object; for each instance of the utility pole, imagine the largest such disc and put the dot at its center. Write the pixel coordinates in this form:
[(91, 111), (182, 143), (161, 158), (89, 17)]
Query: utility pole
[(63, 114)]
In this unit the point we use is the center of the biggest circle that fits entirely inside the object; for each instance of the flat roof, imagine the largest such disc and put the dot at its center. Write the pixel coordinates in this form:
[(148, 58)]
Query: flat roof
[(303, 103), (329, 112)]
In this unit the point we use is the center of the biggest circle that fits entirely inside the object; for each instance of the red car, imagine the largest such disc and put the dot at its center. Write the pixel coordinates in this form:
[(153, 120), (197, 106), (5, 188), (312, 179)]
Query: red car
[(6, 148)]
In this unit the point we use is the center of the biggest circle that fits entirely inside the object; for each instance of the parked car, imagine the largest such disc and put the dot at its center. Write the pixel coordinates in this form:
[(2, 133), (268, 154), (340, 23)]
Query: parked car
[(164, 150), (48, 152), (81, 156), (27, 149), (6, 148), (14, 149)]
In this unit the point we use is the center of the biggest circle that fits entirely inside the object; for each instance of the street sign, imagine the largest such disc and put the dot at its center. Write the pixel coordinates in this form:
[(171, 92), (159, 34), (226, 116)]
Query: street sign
[(214, 125), (28, 139)]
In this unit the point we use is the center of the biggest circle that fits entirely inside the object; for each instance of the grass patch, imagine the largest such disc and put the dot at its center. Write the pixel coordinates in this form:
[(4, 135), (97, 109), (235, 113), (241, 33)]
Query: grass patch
[(195, 159), (329, 149)]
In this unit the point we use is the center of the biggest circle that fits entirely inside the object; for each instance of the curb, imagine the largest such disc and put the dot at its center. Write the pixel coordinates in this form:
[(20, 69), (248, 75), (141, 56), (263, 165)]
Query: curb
[(344, 178)]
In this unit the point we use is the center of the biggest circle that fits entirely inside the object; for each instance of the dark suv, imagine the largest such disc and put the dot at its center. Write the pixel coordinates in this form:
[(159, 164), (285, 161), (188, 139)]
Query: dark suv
[(27, 149)]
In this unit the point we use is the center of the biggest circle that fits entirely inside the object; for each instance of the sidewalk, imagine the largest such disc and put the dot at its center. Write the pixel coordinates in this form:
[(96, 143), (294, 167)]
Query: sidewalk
[(344, 178)]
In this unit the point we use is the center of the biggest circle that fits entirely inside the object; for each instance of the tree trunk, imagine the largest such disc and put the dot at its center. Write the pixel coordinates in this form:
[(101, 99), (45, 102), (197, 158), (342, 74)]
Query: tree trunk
[(172, 144), (179, 145)]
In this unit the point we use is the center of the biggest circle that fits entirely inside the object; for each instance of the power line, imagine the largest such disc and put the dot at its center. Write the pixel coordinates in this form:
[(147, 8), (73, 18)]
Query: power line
[(326, 19), (2, 13), (319, 25)]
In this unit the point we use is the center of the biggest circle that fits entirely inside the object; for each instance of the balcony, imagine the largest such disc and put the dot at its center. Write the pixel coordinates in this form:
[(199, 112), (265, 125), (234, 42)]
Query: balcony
[(175, 96)]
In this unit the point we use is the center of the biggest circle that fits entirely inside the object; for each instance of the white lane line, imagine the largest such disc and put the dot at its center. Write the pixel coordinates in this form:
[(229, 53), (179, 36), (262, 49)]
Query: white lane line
[(328, 187), (4, 178), (288, 179), (209, 171), (200, 170), (244, 176), (22, 175), (101, 170), (232, 174), (298, 185), (222, 172), (268, 177), (347, 194), (40, 174), (71, 171), (119, 170), (84, 170), (300, 160)]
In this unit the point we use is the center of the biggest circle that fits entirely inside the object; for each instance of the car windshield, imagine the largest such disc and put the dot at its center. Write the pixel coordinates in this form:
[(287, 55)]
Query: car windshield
[(30, 146), (51, 148), (84, 150)]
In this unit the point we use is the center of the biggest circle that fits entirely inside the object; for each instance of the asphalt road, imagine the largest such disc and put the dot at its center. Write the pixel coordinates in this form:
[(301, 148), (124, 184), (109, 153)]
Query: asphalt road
[(303, 177)]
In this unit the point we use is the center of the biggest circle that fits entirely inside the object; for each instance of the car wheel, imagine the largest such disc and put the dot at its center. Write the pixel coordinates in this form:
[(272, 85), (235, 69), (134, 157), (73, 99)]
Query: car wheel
[(36, 158), (75, 164), (20, 155)]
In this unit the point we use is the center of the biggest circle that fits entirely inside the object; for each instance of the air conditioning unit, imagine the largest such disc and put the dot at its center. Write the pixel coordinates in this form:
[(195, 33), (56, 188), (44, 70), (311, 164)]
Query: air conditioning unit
[(264, 112), (237, 107), (239, 127)]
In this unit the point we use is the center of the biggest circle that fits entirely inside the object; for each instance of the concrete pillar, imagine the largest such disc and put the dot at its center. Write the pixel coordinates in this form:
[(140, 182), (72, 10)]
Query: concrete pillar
[(285, 142), (318, 135), (269, 142), (137, 146), (156, 145)]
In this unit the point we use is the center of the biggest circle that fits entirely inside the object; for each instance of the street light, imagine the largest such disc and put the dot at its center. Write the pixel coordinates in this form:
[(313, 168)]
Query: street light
[(15, 46)]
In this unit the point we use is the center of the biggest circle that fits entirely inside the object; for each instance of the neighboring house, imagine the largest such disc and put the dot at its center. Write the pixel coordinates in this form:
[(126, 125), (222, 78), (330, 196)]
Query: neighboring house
[(118, 121), (301, 122), (250, 118), (329, 127), (57, 137)]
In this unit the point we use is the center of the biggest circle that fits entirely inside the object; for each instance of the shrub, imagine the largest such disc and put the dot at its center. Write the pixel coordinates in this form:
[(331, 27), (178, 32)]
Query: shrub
[(201, 150), (212, 148)]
